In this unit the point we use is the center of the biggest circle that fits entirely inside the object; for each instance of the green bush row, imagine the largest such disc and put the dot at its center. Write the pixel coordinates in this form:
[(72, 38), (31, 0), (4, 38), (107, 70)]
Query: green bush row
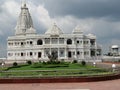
[(42, 65), (50, 63)]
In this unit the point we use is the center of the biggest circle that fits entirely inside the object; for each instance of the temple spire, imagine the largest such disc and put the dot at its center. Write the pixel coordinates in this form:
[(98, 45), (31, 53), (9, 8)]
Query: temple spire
[(24, 24)]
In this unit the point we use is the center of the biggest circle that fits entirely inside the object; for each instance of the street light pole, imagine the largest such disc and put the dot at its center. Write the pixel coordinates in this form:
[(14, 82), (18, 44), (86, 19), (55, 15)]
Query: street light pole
[(113, 67)]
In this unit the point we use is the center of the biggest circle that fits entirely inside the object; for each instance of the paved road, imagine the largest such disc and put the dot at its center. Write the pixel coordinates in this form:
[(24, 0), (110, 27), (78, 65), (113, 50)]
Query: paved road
[(104, 85)]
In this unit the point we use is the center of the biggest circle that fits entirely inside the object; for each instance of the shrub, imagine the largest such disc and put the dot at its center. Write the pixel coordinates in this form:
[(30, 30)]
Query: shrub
[(83, 63), (119, 60), (49, 62), (29, 62), (44, 62), (15, 64), (58, 62), (40, 61), (53, 62), (55, 66), (75, 61), (62, 60)]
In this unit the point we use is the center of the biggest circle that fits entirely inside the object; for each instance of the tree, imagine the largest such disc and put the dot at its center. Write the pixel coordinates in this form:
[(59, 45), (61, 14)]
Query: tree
[(53, 56)]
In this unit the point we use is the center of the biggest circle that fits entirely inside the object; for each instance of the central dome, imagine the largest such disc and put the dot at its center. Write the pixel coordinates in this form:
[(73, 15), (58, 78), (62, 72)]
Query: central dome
[(77, 30), (54, 30)]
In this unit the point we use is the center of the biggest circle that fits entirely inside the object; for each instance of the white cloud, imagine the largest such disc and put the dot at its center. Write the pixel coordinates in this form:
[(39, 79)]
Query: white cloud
[(10, 11), (67, 23), (11, 8), (43, 16)]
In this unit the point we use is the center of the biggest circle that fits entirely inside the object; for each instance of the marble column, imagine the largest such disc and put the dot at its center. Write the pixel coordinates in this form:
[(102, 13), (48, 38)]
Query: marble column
[(58, 53), (66, 53)]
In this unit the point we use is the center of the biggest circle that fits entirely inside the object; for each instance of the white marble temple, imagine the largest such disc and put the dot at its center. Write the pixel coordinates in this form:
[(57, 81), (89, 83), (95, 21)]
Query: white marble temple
[(26, 44)]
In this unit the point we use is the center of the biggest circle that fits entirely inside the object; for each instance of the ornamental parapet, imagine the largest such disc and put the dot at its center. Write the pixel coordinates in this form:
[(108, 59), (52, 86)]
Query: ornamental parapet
[(55, 46)]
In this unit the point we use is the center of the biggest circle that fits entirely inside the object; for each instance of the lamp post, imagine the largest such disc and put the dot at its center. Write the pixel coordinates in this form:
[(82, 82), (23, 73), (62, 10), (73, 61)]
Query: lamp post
[(94, 64), (2, 65), (113, 67)]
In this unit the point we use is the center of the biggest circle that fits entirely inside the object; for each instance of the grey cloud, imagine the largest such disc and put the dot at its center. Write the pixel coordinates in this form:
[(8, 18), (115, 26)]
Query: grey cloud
[(83, 8)]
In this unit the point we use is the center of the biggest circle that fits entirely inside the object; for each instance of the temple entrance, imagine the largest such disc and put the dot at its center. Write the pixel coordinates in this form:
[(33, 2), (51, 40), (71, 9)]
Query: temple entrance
[(69, 54), (92, 53), (39, 54)]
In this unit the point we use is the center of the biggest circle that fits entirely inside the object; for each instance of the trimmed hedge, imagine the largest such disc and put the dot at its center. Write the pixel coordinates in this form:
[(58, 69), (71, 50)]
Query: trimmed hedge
[(15, 64), (75, 61), (29, 62), (40, 65), (54, 66), (83, 63)]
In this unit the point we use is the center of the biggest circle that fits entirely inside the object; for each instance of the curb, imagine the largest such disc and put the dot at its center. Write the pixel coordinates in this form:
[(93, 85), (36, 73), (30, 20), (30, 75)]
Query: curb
[(59, 79)]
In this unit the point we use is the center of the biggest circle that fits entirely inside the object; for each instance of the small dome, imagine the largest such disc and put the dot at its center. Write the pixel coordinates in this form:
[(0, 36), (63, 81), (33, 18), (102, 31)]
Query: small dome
[(115, 46), (91, 34), (54, 30), (77, 30)]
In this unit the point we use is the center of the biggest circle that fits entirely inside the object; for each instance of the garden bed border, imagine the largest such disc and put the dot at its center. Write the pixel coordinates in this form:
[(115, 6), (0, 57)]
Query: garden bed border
[(60, 79)]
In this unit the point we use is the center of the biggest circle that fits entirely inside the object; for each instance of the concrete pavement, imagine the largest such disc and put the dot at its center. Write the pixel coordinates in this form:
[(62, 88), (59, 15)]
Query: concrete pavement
[(104, 85)]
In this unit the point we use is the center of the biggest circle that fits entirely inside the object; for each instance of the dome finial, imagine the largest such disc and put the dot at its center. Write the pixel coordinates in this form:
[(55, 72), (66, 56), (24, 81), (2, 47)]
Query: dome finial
[(23, 2), (54, 24)]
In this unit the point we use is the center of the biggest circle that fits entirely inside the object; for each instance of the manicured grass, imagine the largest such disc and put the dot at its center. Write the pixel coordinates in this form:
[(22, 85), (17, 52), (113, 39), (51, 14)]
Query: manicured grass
[(52, 70), (51, 73), (39, 66)]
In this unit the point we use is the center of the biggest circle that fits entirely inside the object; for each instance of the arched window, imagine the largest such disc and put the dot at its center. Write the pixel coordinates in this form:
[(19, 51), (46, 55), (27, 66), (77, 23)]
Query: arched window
[(69, 41), (31, 53), (39, 42), (31, 42), (78, 53)]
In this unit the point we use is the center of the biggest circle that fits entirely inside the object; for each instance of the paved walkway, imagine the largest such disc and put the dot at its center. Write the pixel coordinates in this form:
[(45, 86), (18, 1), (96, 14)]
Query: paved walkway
[(108, 65), (104, 85)]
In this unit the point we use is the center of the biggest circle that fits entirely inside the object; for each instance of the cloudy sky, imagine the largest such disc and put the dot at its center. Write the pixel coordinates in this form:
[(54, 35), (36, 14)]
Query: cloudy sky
[(100, 17)]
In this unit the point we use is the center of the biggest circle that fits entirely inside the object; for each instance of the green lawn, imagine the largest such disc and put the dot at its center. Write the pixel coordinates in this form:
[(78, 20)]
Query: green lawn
[(52, 70), (49, 67)]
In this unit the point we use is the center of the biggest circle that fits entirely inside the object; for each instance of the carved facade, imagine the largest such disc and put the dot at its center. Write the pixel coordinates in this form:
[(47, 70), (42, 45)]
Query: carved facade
[(26, 44)]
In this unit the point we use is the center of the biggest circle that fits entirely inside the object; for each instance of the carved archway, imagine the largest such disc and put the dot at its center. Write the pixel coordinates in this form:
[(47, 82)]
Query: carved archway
[(69, 41), (39, 42)]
